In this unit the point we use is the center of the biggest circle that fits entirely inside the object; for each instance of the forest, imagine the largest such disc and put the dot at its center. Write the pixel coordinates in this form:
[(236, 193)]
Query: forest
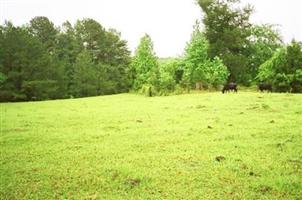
[(40, 61)]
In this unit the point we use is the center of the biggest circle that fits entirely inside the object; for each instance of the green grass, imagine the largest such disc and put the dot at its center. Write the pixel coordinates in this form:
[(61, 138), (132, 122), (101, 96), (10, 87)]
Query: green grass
[(196, 146)]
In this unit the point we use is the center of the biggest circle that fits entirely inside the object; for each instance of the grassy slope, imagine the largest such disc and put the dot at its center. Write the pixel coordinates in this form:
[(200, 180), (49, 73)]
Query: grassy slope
[(132, 147)]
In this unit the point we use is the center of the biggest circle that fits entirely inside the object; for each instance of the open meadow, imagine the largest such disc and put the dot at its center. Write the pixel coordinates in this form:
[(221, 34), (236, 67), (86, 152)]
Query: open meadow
[(194, 146)]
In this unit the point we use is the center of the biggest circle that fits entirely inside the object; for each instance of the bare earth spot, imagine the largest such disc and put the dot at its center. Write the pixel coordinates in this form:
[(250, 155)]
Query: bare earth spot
[(220, 158), (139, 121), (251, 173), (244, 166), (253, 108), (200, 106), (92, 197), (265, 106), (264, 189), (133, 182), (114, 176)]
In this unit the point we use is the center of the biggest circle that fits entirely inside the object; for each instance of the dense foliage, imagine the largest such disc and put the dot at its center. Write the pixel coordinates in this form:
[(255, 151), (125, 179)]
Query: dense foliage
[(40, 61), (284, 69), (227, 28), (264, 41), (145, 67), (199, 68)]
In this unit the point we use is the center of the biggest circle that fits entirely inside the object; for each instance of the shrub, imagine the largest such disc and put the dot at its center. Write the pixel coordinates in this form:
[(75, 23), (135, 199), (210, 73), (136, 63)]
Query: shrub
[(6, 96), (296, 83), (282, 83), (39, 90), (148, 90), (167, 82)]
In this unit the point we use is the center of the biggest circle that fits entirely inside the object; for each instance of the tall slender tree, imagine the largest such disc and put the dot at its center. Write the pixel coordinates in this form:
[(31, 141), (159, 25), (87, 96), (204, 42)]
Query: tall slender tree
[(145, 64)]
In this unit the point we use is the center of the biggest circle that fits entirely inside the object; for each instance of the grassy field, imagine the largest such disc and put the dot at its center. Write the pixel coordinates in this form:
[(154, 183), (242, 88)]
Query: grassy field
[(196, 146)]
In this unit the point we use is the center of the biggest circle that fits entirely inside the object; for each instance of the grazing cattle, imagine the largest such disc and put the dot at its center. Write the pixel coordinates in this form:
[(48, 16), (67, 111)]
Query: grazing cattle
[(265, 86), (229, 87)]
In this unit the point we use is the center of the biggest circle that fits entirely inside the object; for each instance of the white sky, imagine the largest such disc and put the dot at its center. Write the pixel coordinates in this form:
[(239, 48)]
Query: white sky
[(168, 22)]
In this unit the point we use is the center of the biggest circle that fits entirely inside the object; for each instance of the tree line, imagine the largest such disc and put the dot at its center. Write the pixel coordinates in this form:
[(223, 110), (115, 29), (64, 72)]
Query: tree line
[(41, 61), (228, 49)]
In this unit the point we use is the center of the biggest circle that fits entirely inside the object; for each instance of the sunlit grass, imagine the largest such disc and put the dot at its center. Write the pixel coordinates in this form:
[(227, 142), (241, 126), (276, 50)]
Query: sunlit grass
[(197, 146)]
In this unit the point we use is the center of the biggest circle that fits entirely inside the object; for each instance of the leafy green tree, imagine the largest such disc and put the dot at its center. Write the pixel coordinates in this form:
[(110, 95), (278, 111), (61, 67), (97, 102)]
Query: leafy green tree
[(195, 55), (281, 82), (200, 69), (85, 77), (118, 61), (264, 41), (296, 81), (45, 31), (107, 51), (91, 36), (39, 61), (24, 59), (269, 69), (216, 73), (294, 65), (68, 48), (284, 68), (144, 65), (2, 79), (170, 75), (294, 57), (227, 28)]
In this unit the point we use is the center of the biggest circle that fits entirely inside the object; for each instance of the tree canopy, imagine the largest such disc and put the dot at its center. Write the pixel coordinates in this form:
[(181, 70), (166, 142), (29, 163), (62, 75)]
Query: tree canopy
[(227, 28), (40, 61), (145, 66)]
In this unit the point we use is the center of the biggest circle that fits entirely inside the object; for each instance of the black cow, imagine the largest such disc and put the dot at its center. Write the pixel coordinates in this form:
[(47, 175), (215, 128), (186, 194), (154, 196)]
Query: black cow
[(229, 87), (265, 86)]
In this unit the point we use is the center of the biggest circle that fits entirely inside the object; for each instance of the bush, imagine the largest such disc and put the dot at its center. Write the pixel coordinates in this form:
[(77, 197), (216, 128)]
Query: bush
[(167, 82), (282, 83), (284, 69), (3, 78), (216, 73), (6, 96), (296, 83), (39, 90), (148, 90)]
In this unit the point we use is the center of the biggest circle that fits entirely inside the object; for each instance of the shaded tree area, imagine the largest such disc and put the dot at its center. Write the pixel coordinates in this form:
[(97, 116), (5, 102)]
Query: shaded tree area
[(284, 69), (40, 61)]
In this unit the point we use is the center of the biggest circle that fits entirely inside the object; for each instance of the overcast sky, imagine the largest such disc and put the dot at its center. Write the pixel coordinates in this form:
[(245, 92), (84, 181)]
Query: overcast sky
[(168, 22)]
